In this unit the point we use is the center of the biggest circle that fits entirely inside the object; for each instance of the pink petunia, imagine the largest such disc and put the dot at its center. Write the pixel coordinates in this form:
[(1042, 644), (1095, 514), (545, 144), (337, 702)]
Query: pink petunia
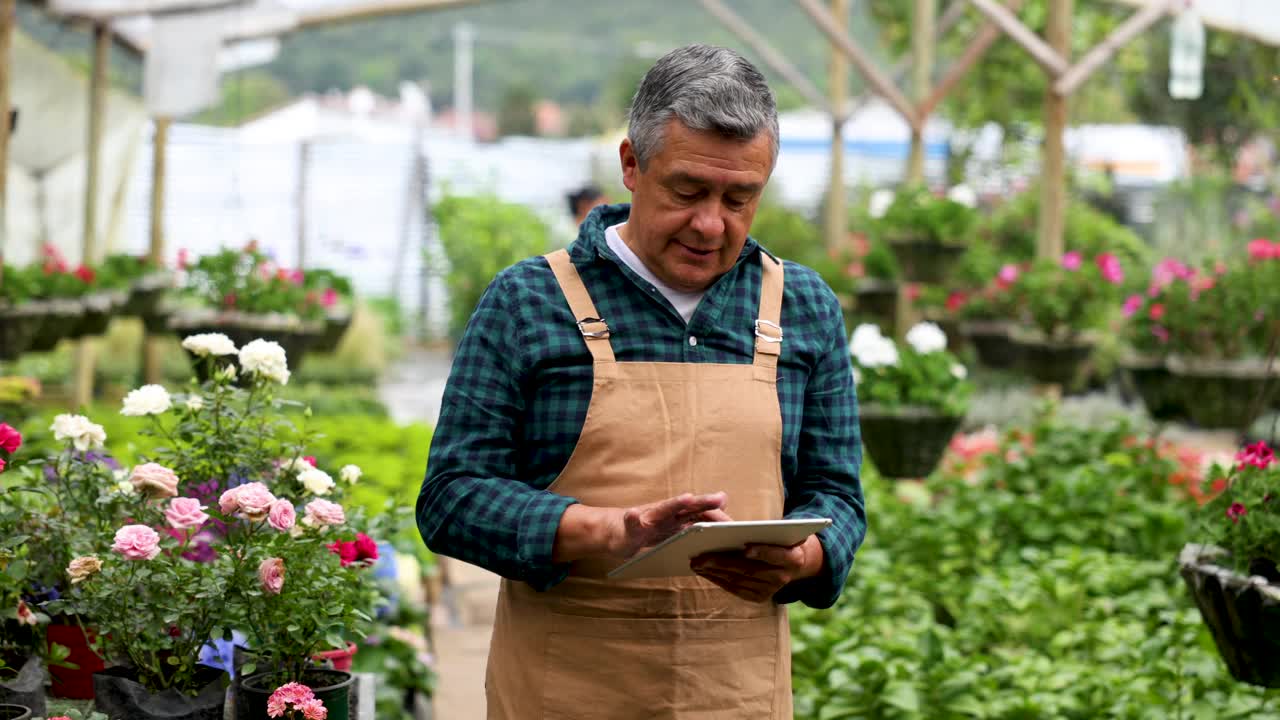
[(1257, 455), (1156, 311), (1008, 275), (1261, 249), (1132, 304), (1071, 261), (1109, 265), (1237, 511)]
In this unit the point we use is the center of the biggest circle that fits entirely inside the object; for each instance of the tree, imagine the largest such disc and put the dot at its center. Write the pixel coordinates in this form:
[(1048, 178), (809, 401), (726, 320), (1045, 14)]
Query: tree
[(515, 113)]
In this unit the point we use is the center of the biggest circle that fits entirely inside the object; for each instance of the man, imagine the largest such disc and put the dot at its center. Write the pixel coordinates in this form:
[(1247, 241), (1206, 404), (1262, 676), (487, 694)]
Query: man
[(663, 371), (583, 201)]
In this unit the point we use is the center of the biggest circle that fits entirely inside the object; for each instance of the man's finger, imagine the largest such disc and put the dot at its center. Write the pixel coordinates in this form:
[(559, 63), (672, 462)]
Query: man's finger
[(788, 557)]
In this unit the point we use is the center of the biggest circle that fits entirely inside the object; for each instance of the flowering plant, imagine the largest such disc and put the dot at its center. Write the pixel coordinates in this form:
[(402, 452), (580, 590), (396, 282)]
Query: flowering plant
[(998, 299), (917, 214), (1244, 519), (297, 702), (1072, 295), (250, 281), (922, 373)]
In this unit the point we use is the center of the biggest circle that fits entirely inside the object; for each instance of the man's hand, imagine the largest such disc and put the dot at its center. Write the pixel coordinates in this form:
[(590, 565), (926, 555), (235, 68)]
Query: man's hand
[(760, 571), (587, 531)]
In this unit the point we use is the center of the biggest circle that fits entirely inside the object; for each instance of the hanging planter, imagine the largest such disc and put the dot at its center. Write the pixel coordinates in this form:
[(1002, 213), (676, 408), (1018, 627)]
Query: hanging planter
[(877, 300), (924, 260), (336, 689), (335, 327), (1148, 377), (906, 442), (27, 689), (18, 326), (294, 335), (1223, 394), (1242, 613), (1057, 362), (991, 342), (118, 694), (61, 317), (146, 294), (99, 308)]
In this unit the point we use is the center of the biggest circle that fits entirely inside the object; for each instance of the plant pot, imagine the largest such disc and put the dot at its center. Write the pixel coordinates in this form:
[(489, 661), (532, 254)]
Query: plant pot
[(991, 342), (907, 442), (335, 326), (1149, 378), (61, 316), (18, 326), (336, 689), (99, 308), (75, 683), (339, 659), (1058, 362), (14, 712), (925, 261), (119, 695), (1242, 613), (1224, 394), (27, 689), (878, 300), (146, 294)]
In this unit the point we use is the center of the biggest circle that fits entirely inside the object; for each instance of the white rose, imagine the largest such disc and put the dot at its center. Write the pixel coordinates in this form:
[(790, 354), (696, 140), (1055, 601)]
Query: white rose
[(124, 487), (317, 482), (265, 358), (79, 430), (959, 371), (880, 354), (227, 373), (195, 403), (146, 400), (350, 474), (207, 344), (297, 465), (926, 338)]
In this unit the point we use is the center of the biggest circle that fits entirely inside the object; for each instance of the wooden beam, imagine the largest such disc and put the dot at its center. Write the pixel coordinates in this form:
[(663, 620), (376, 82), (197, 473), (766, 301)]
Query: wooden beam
[(83, 387), (1104, 51), (950, 18), (8, 20), (1049, 58), (923, 19), (1053, 168), (981, 43), (376, 8), (770, 55), (878, 81), (151, 363), (837, 220)]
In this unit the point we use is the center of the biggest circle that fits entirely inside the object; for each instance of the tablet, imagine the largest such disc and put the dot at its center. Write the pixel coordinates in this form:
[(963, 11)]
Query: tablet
[(671, 557)]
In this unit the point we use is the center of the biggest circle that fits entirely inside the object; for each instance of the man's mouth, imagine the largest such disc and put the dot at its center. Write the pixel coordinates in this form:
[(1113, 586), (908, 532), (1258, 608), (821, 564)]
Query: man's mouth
[(695, 251)]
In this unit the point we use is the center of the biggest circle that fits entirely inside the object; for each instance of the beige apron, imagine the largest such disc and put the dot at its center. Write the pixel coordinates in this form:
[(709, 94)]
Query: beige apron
[(660, 648)]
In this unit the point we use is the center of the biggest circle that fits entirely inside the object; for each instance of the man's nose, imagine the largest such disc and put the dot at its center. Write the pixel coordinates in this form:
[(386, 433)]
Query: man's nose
[(708, 220)]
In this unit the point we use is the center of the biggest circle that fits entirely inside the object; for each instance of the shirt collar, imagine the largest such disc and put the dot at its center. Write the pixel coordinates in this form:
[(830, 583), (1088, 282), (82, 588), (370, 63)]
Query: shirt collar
[(591, 243)]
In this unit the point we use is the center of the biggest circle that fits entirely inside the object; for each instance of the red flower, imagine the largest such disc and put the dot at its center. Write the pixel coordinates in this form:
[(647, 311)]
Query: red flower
[(913, 292), (1157, 311), (955, 301), (311, 460), (229, 300), (366, 548), (1, 465), (86, 274), (330, 297), (1261, 249), (345, 550), (1237, 511), (1258, 455), (10, 439)]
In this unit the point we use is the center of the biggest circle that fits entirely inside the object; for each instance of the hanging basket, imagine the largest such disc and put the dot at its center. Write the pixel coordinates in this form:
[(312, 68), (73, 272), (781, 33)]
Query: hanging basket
[(1149, 378), (907, 442), (1057, 362), (877, 300), (991, 342), (61, 317), (1224, 394), (99, 308), (923, 260), (18, 326), (335, 327), (294, 335), (146, 294), (1243, 615)]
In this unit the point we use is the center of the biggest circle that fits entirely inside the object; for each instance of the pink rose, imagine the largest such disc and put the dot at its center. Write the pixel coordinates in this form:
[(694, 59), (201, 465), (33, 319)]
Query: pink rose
[(323, 512), (1071, 261), (185, 513), (10, 439), (282, 516), (137, 542), (154, 480), (271, 574), (251, 500)]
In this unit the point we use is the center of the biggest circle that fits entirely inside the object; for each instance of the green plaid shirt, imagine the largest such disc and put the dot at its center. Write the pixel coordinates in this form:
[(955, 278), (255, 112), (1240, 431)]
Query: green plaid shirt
[(517, 398)]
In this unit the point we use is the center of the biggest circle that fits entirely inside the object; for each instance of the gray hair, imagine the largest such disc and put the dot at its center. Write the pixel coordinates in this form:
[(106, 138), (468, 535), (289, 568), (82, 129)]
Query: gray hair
[(705, 88)]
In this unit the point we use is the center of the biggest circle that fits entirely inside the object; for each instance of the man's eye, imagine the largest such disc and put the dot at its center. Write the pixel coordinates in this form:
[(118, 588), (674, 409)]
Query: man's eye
[(686, 196), (735, 203)]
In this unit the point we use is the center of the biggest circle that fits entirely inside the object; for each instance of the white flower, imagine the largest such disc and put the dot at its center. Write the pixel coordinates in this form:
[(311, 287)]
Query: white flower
[(296, 465), (227, 373), (864, 336), (857, 376), (124, 487), (959, 371), (964, 195), (80, 430), (881, 354), (350, 474), (146, 400), (317, 482), (267, 359), (206, 344), (195, 403), (926, 338), (880, 202)]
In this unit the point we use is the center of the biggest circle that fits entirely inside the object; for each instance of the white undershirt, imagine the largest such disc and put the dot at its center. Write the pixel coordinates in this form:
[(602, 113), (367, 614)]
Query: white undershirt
[(684, 302)]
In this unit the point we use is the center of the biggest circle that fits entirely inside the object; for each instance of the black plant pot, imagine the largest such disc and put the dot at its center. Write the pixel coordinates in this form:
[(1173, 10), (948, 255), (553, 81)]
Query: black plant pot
[(335, 688), (925, 261), (99, 308), (14, 712), (1243, 615), (335, 326), (145, 295), (906, 443), (18, 326), (991, 342), (27, 689), (1150, 379), (60, 319), (1226, 395), (1050, 361), (118, 694), (877, 300)]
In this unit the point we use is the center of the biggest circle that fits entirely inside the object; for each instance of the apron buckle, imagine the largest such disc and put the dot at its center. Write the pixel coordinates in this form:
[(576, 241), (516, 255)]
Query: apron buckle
[(593, 333), (765, 337)]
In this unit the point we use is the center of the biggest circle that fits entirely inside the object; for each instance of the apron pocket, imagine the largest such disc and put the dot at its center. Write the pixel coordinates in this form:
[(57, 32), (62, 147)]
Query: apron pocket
[(647, 669)]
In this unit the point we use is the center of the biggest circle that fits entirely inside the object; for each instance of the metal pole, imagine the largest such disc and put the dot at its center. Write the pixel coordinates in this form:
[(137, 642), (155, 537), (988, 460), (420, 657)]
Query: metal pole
[(304, 165), (463, 37), (1053, 192), (923, 21), (159, 155), (7, 21), (837, 84), (83, 392)]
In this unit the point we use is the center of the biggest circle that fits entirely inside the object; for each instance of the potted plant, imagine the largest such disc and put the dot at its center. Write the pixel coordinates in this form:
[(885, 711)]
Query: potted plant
[(1223, 322), (1146, 338), (1066, 303), (926, 233), (144, 280), (1232, 573), (876, 292), (333, 293), (22, 671), (59, 291), (987, 317), (911, 400), (20, 318)]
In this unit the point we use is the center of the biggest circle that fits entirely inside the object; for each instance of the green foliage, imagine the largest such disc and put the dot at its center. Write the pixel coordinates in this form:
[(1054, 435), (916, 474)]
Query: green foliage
[(919, 374), (1227, 310), (880, 262), (481, 237), (917, 214), (1063, 300), (515, 113), (249, 281), (1013, 228), (1245, 519)]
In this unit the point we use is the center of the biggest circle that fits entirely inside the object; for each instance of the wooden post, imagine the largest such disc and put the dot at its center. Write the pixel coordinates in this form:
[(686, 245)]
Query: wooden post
[(151, 370), (8, 19), (837, 84), (1053, 171), (83, 392), (923, 21), (304, 164)]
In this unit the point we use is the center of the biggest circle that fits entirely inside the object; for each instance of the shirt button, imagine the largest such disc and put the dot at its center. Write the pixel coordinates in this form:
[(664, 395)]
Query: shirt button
[(693, 341)]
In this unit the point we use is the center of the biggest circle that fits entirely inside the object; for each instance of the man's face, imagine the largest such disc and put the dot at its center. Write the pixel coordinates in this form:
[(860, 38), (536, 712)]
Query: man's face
[(692, 206)]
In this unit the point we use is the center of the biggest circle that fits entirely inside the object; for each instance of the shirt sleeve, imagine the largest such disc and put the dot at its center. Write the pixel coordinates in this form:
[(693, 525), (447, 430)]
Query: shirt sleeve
[(826, 483), (473, 506)]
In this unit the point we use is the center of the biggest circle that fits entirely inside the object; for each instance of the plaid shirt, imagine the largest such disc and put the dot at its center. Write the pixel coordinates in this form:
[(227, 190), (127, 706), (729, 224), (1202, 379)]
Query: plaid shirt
[(517, 398)]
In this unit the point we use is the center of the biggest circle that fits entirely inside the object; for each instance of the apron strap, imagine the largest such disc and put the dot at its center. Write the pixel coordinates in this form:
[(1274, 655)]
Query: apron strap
[(593, 328), (768, 328)]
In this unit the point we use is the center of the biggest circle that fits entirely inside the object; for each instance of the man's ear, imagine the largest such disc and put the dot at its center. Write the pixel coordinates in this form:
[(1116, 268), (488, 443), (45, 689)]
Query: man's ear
[(630, 164)]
